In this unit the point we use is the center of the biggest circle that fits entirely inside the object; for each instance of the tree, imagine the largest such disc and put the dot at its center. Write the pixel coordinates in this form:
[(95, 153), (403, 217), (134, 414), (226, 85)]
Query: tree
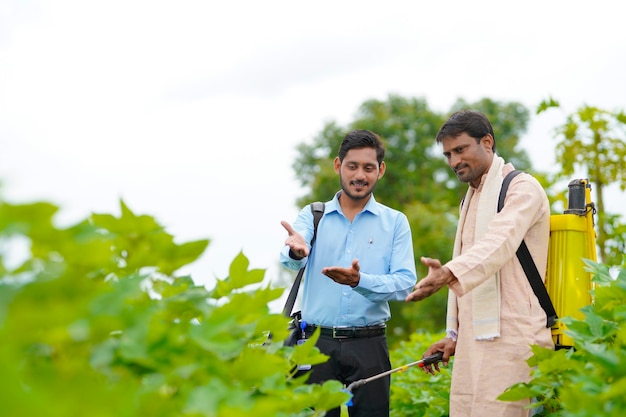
[(594, 140), (417, 181)]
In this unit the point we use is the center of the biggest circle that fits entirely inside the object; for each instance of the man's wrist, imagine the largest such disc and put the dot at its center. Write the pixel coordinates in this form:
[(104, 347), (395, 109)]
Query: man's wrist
[(356, 283), (293, 256), (450, 277), (451, 334)]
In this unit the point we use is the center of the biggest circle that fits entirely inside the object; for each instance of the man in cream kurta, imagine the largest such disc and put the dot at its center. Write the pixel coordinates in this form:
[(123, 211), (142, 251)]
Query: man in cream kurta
[(493, 314)]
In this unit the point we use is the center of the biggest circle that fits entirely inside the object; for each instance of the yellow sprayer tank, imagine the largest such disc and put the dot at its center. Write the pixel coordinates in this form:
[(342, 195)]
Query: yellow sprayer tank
[(572, 239)]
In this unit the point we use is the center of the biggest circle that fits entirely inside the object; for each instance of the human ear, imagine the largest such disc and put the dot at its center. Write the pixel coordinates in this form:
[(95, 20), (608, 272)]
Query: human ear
[(381, 169), (487, 141)]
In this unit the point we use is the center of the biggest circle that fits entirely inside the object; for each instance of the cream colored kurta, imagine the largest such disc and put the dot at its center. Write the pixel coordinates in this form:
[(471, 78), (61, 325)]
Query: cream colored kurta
[(483, 369)]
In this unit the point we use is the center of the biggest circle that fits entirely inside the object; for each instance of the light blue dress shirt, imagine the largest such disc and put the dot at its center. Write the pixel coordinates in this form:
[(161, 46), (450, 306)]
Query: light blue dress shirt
[(380, 238)]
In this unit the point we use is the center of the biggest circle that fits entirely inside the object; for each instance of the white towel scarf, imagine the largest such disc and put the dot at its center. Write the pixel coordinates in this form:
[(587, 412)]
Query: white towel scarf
[(485, 297)]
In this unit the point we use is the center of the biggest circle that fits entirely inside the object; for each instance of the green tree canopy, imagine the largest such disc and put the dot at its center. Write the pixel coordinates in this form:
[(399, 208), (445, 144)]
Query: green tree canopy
[(594, 140)]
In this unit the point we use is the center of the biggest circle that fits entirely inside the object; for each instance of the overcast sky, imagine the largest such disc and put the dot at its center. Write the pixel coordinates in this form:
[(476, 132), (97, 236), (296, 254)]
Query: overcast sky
[(190, 111)]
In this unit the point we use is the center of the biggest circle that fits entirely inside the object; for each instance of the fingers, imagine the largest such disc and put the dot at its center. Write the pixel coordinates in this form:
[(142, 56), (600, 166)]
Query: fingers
[(414, 296), (430, 262), (446, 347), (448, 351), (355, 265), (287, 227), (422, 290), (347, 276), (426, 286), (430, 369)]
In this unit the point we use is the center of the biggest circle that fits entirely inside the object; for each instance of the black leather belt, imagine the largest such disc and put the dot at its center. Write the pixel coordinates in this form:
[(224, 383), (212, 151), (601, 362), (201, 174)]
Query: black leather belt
[(348, 332)]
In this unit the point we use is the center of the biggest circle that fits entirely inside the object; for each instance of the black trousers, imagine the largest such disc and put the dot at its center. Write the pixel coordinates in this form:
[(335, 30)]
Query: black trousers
[(351, 360)]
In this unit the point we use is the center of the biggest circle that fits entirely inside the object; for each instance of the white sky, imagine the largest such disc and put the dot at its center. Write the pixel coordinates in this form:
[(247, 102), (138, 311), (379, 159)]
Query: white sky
[(191, 110)]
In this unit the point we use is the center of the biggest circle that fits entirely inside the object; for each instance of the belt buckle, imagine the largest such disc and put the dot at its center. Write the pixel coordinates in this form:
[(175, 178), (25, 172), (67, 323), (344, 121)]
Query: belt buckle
[(336, 336)]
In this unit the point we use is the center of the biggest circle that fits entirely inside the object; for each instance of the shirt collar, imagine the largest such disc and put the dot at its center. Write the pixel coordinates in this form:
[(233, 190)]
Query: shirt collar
[(371, 206)]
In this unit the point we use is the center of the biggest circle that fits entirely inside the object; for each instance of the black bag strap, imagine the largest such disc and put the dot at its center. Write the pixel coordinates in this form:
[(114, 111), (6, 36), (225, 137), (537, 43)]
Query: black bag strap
[(528, 264), (317, 208)]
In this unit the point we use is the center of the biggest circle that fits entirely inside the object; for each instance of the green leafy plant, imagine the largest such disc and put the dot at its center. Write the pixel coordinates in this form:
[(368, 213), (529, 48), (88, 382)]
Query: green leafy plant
[(590, 379), (94, 321)]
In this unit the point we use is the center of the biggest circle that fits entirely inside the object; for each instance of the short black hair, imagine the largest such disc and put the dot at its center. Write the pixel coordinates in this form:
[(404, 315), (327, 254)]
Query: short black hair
[(358, 139), (474, 123)]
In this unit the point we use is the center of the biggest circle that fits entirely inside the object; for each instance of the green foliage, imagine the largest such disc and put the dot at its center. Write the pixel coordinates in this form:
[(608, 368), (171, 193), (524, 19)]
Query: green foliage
[(546, 104), (589, 380), (94, 321), (594, 140), (615, 244), (416, 170), (414, 392), (417, 182)]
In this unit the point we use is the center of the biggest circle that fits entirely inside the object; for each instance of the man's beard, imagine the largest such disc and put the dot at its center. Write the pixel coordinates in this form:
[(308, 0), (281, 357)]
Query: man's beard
[(468, 176), (347, 192)]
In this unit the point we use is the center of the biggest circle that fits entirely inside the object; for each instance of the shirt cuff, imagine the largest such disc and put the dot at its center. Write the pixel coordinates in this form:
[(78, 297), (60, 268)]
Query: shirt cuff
[(451, 334), (294, 256), (455, 286)]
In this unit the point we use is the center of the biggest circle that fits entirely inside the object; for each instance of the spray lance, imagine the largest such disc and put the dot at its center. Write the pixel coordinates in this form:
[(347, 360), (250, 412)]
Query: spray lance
[(428, 360)]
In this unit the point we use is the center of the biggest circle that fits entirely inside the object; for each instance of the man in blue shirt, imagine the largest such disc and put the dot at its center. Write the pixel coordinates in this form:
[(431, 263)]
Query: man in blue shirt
[(362, 258)]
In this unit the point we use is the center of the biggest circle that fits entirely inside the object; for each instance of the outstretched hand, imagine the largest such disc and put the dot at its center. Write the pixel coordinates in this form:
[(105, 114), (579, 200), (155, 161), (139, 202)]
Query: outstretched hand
[(437, 277), (347, 276), (295, 241)]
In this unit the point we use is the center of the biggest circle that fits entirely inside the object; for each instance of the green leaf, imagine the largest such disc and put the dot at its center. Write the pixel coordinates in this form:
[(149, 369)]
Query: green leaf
[(239, 278), (33, 219), (601, 355), (255, 366), (546, 104), (205, 400), (517, 392), (330, 396), (221, 337), (594, 328), (307, 353)]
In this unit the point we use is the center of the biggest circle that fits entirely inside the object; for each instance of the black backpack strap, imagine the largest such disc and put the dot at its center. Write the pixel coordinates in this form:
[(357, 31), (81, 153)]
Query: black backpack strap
[(537, 284), (317, 208), (528, 264), (505, 186)]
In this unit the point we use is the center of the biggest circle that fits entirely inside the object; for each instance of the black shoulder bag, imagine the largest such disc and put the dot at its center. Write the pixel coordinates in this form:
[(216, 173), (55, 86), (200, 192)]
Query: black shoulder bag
[(295, 333), (530, 269)]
